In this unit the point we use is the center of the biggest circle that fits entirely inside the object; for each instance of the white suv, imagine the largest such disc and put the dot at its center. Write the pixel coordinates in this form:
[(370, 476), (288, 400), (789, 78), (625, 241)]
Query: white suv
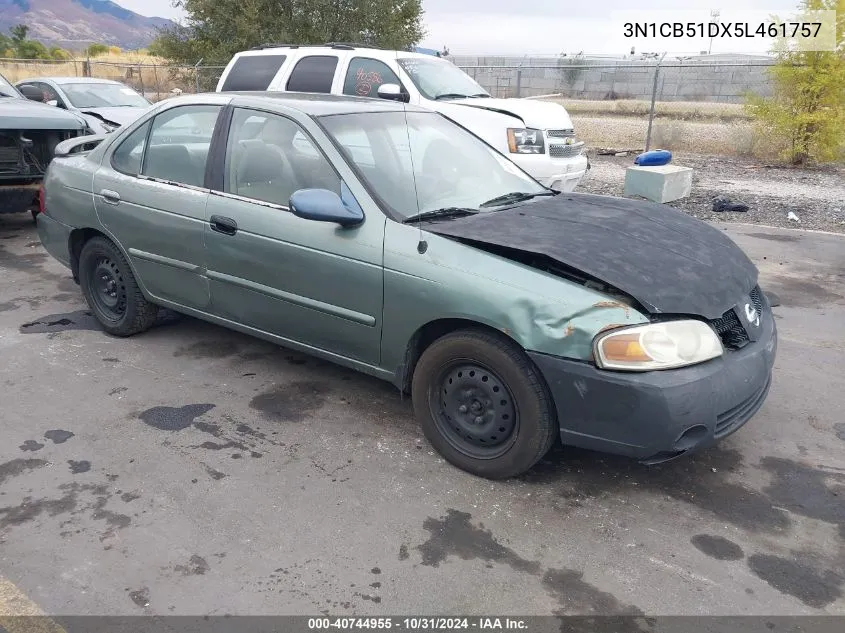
[(536, 135)]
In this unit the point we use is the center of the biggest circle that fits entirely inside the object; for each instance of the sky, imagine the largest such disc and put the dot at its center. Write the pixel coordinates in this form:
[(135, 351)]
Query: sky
[(544, 27)]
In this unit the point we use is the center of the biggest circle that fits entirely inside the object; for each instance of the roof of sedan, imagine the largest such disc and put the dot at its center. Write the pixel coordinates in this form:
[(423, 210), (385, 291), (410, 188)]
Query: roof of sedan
[(71, 80), (320, 104)]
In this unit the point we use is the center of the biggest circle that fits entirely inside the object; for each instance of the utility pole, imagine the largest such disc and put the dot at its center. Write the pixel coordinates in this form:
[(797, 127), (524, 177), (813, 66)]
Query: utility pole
[(714, 19)]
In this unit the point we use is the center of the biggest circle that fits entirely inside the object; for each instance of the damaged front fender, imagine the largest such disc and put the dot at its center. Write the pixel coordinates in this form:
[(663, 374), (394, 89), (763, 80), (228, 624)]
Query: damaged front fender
[(541, 311)]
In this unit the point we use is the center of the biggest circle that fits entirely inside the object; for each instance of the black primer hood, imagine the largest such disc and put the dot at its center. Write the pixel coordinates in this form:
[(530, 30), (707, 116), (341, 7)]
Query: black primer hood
[(666, 260)]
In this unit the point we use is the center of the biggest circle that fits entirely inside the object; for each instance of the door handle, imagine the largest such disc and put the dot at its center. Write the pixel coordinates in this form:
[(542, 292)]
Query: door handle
[(110, 197), (224, 225)]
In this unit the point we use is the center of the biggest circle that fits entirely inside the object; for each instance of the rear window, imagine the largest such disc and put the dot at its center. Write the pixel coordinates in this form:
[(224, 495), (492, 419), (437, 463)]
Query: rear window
[(313, 74), (253, 72)]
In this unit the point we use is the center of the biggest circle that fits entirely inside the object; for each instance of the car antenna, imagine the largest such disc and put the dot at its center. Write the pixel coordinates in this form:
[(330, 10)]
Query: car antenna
[(422, 245)]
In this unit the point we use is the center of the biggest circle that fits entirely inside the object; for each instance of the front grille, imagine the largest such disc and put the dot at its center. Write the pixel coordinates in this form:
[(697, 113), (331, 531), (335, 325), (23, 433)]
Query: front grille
[(736, 416), (560, 133), (730, 329), (757, 299), (565, 151)]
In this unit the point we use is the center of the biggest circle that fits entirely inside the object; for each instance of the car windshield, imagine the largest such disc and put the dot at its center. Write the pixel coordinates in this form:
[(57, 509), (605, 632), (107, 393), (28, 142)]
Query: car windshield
[(8, 90), (436, 78), (97, 95), (429, 164)]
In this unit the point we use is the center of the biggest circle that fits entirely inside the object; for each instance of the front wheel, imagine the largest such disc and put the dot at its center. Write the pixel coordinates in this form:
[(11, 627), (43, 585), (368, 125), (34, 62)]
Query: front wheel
[(111, 290), (483, 405)]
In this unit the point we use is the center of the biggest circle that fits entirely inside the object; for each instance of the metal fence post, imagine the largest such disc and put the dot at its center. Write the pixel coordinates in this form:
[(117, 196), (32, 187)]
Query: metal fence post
[(197, 75), (653, 99), (519, 81)]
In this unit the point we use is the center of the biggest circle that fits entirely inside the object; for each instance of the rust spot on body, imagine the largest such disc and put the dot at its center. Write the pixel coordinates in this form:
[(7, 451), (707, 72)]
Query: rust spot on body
[(569, 330), (614, 304)]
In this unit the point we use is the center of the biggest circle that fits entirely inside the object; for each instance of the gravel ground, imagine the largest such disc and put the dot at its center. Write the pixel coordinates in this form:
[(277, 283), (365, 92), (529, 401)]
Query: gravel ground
[(816, 196)]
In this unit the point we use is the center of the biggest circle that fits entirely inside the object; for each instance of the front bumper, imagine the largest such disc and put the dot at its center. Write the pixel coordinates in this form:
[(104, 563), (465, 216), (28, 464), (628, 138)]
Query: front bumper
[(659, 415), (562, 174)]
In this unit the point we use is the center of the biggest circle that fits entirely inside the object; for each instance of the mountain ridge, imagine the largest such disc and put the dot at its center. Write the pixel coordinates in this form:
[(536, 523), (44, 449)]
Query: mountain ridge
[(74, 24)]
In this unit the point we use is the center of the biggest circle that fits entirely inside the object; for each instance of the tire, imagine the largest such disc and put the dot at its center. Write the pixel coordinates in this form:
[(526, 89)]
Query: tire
[(111, 290), (483, 405)]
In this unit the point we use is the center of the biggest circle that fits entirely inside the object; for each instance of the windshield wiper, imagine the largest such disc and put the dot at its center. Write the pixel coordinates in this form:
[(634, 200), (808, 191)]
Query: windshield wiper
[(450, 95), (479, 95), (446, 212), (515, 196)]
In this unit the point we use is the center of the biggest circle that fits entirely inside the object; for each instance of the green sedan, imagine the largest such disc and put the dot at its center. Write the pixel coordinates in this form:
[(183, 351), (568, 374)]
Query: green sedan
[(388, 239)]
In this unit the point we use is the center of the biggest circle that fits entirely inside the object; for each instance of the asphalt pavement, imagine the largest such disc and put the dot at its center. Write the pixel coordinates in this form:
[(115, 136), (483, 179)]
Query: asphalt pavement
[(194, 470)]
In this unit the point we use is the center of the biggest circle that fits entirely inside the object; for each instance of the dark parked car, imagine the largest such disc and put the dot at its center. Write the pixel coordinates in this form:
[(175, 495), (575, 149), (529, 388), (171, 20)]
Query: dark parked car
[(387, 238), (29, 132)]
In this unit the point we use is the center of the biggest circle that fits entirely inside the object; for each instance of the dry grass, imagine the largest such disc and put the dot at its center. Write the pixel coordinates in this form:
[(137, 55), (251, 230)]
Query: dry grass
[(738, 138), (683, 110), (136, 68)]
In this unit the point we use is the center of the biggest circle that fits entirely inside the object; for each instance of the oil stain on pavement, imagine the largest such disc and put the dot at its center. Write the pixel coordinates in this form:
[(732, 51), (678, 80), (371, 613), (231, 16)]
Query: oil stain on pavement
[(58, 436), (717, 547), (18, 467), (79, 320), (454, 535), (292, 402), (174, 418)]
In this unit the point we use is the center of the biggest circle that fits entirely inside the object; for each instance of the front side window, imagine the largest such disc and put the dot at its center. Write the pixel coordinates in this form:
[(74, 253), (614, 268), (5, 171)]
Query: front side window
[(269, 156), (436, 78), (179, 142), (314, 73), (365, 75), (129, 155), (253, 72), (426, 164)]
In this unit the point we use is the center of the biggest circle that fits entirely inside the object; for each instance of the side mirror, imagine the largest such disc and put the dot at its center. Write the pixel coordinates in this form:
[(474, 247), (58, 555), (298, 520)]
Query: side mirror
[(323, 205), (393, 92), (32, 93)]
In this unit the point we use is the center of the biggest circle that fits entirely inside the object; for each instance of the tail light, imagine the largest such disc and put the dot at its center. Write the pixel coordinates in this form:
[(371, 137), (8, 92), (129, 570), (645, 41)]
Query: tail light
[(41, 201)]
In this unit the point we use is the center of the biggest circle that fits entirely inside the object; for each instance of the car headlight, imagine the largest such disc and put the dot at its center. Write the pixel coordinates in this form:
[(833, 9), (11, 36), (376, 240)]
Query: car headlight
[(525, 141), (663, 345)]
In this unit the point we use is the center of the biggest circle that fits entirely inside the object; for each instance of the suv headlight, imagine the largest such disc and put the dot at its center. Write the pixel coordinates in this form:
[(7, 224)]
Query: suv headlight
[(663, 345), (525, 141)]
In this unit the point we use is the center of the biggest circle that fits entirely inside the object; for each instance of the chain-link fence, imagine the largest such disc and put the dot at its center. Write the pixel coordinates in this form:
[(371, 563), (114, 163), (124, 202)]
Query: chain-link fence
[(155, 81), (718, 80)]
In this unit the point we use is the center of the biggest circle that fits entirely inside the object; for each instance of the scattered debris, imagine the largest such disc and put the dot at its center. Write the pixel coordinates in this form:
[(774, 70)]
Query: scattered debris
[(723, 203), (792, 217)]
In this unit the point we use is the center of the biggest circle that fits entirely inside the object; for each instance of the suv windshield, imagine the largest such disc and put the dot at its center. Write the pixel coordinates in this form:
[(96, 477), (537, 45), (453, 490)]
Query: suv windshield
[(96, 95), (427, 164), (438, 79), (8, 90)]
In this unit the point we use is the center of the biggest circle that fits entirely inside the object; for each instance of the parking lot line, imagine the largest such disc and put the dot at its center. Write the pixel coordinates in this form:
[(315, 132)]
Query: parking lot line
[(19, 614)]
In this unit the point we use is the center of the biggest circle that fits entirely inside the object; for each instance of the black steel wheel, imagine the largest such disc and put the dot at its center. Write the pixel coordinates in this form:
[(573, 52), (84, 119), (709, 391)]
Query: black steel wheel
[(482, 404), (110, 288), (474, 410)]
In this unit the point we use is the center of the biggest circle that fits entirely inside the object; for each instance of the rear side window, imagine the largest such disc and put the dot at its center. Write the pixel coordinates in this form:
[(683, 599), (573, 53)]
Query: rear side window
[(313, 74), (365, 75), (253, 72), (128, 156), (179, 143)]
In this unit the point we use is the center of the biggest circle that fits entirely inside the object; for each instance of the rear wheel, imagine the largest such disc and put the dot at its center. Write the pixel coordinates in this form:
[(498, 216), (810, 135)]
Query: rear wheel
[(111, 290), (483, 405)]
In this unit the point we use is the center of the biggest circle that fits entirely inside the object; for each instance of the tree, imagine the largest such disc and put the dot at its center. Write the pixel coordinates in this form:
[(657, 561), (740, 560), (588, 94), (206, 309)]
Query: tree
[(217, 29), (94, 50), (807, 108)]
